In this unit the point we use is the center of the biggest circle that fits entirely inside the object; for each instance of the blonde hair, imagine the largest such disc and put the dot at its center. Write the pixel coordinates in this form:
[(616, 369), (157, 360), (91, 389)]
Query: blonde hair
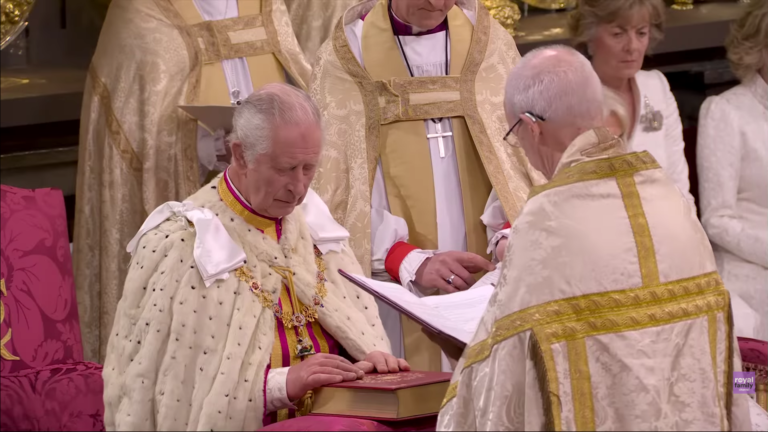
[(614, 105), (583, 21), (748, 41)]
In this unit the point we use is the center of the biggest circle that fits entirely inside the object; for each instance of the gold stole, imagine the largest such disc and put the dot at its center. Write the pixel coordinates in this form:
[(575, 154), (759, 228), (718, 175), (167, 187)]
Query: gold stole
[(245, 36), (405, 156)]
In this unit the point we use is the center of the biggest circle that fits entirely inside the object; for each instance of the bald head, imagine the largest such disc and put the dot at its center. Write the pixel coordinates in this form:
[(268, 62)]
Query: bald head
[(558, 84), (268, 107)]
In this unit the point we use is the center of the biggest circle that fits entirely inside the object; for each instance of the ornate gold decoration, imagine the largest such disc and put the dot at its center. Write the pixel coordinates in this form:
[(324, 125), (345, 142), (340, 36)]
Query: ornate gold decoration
[(646, 253), (581, 385), (13, 14), (4, 352), (505, 12), (612, 311), (599, 169), (552, 4), (683, 5), (300, 317)]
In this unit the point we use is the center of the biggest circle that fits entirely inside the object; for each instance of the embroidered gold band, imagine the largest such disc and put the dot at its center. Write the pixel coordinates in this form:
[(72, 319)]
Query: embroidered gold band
[(404, 99), (581, 385), (712, 332), (646, 254), (606, 312), (231, 38), (599, 169)]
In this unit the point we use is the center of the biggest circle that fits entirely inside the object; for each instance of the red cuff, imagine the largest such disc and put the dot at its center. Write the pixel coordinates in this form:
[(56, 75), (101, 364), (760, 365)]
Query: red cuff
[(507, 225), (395, 257)]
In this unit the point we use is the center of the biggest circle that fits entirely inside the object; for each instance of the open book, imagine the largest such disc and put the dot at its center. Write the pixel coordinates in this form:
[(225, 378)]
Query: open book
[(452, 316)]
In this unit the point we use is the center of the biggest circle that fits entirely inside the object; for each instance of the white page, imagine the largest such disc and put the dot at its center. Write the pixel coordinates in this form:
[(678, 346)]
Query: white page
[(491, 278), (455, 314)]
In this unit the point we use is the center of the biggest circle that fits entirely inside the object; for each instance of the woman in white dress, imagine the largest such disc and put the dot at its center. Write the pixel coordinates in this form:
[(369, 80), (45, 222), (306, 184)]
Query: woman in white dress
[(616, 34), (732, 158)]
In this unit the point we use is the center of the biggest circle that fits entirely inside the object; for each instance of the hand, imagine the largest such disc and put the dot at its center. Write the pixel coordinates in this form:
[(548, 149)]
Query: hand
[(317, 371), (434, 272), (451, 350), (382, 362), (501, 248)]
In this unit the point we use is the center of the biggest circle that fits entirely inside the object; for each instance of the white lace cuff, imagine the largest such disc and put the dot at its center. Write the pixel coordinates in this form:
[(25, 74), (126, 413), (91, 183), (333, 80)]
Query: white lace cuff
[(277, 390), (408, 269)]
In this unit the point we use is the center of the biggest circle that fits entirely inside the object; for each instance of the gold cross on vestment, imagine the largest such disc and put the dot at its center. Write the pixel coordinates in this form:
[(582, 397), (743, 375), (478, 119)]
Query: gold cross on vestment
[(439, 135)]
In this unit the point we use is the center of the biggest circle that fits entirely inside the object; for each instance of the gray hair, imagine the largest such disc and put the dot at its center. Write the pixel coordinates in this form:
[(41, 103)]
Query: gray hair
[(557, 83), (265, 108), (613, 104)]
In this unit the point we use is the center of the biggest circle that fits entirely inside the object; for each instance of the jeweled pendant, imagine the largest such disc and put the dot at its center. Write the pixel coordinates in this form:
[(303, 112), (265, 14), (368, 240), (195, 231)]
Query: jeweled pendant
[(304, 347)]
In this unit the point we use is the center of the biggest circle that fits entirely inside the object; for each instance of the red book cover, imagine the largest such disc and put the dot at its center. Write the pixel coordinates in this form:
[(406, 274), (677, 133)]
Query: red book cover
[(395, 381)]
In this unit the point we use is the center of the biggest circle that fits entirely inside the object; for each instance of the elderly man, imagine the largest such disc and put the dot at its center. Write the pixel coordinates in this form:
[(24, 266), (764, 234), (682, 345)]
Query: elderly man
[(609, 313), (409, 92), (233, 308)]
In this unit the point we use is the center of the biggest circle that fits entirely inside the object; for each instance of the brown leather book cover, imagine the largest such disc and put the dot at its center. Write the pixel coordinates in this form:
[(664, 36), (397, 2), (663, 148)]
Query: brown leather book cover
[(395, 396)]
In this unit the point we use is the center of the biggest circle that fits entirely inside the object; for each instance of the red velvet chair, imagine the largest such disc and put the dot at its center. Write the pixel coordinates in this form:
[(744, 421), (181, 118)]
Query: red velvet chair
[(44, 383)]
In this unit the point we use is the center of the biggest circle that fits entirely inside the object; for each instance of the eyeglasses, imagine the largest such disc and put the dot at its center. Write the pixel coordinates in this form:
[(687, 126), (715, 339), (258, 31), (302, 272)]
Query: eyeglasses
[(534, 118)]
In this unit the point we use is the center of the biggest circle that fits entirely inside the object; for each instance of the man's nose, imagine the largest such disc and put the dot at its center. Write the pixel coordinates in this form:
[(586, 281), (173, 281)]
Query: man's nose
[(298, 182)]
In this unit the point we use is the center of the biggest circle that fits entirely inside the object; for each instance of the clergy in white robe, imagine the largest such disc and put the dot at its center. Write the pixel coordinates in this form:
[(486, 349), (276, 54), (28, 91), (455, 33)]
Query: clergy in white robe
[(609, 313), (414, 130), (233, 308), (137, 148)]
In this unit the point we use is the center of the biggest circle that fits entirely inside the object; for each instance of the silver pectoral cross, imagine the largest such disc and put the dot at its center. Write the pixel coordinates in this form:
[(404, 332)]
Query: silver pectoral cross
[(439, 135)]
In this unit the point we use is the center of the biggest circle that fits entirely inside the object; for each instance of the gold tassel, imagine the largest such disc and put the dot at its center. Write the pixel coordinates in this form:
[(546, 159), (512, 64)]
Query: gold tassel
[(305, 404)]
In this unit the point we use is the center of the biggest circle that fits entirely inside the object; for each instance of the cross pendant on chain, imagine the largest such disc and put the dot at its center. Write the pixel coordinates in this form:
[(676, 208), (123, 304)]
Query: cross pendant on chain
[(439, 135)]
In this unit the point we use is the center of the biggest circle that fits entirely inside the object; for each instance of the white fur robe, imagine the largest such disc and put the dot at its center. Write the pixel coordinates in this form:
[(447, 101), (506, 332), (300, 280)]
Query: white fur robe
[(185, 357)]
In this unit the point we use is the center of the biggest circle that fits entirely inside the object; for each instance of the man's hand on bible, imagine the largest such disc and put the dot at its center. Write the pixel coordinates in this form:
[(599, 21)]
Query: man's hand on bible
[(317, 371), (501, 248), (382, 362), (451, 271)]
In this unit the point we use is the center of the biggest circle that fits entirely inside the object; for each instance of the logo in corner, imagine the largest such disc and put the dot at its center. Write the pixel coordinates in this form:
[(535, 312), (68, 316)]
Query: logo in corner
[(743, 383)]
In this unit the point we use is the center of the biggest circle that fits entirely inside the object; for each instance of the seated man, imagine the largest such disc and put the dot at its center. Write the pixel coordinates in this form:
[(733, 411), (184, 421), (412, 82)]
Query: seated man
[(609, 313), (233, 308)]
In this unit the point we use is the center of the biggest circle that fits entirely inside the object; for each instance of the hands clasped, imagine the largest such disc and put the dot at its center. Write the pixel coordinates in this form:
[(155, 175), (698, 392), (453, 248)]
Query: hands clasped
[(456, 267), (323, 369)]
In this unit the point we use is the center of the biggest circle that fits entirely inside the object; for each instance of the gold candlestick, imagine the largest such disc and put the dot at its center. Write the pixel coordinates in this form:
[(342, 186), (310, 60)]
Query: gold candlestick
[(683, 5)]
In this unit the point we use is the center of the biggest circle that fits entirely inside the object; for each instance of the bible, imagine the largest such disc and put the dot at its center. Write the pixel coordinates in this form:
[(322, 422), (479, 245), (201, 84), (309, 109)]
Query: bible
[(395, 396), (454, 317)]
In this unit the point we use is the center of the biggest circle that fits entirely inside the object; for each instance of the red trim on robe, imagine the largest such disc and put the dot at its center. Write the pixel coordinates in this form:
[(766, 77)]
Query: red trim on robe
[(507, 225), (395, 257)]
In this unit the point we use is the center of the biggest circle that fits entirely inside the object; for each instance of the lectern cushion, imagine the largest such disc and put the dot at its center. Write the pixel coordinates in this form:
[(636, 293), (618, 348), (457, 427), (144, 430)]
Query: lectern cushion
[(54, 398), (40, 325)]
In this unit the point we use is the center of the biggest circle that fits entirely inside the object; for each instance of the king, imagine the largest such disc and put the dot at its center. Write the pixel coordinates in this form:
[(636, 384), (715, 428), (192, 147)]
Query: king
[(415, 162), (233, 308)]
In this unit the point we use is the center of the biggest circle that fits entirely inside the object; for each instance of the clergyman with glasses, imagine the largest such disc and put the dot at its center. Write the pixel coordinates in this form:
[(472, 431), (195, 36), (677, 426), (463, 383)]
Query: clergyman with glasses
[(609, 313)]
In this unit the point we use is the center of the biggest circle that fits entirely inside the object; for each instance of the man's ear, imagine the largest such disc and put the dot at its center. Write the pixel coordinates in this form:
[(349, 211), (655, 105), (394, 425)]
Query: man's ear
[(532, 125), (238, 155)]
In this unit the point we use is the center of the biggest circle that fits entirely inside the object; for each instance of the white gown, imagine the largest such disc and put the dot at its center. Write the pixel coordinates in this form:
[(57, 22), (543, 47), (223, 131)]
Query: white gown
[(732, 158)]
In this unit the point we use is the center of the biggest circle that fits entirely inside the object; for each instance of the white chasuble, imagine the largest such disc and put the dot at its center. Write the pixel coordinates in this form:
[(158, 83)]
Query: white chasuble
[(137, 148), (609, 313)]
